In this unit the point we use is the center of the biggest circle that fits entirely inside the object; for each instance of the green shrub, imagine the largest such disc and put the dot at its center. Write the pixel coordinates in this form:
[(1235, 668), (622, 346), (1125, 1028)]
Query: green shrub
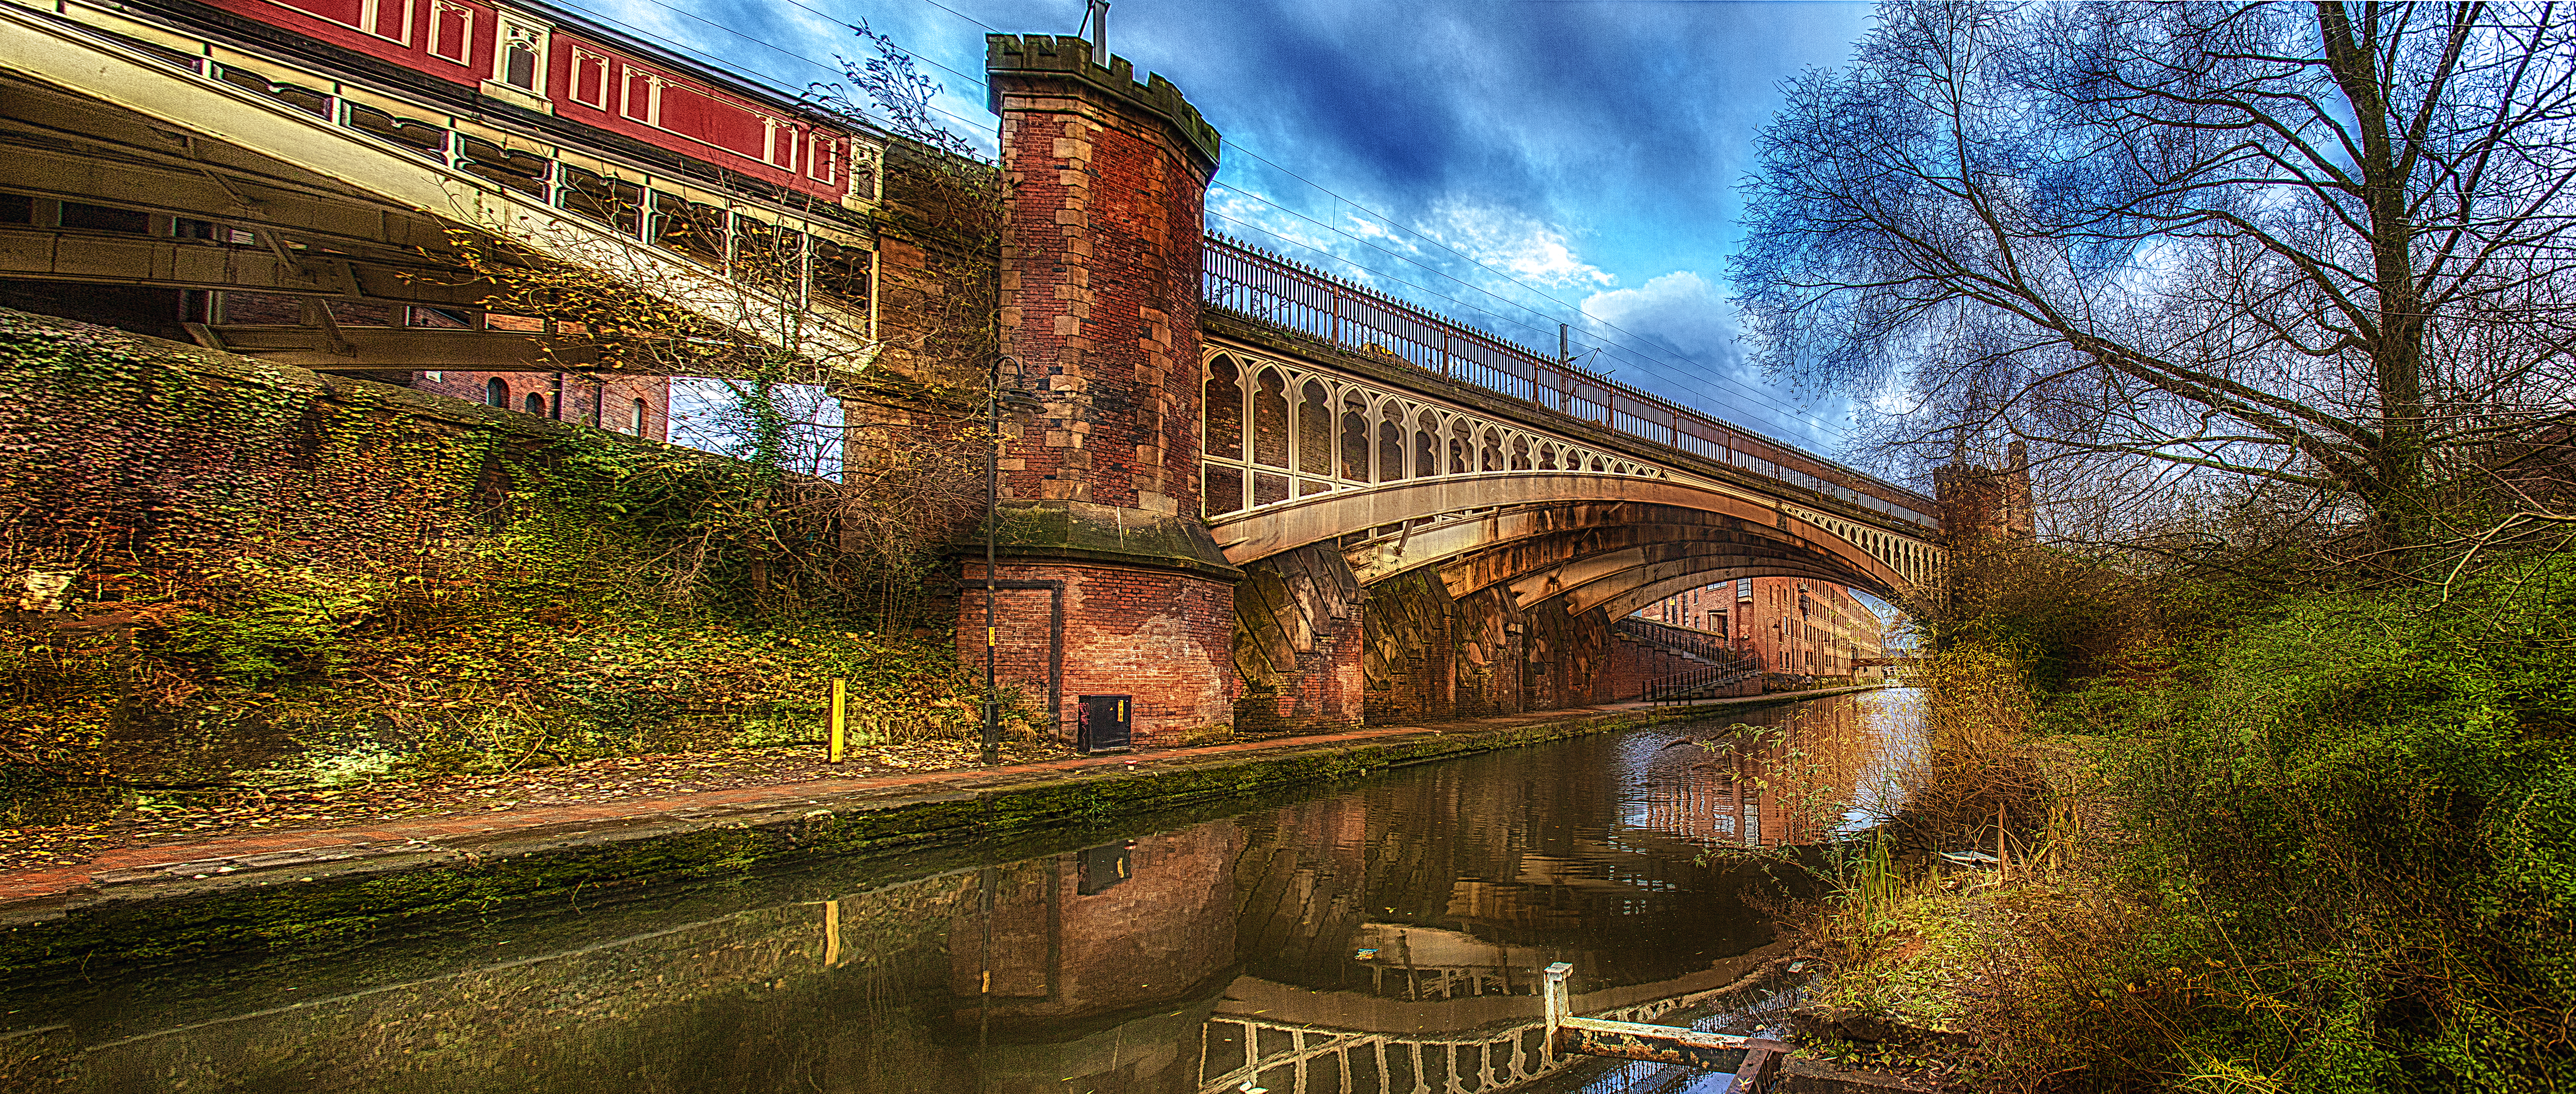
[(2352, 857)]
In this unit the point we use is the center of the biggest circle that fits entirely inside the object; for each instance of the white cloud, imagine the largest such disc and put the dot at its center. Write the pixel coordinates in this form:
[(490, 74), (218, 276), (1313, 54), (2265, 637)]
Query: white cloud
[(1680, 309), (1528, 249)]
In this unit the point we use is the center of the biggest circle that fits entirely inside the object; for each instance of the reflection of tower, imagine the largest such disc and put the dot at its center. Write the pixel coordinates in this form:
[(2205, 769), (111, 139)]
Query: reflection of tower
[(1071, 936)]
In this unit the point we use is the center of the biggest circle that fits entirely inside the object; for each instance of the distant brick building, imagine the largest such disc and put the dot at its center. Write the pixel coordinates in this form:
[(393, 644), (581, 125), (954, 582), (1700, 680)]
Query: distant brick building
[(1796, 626), (638, 406)]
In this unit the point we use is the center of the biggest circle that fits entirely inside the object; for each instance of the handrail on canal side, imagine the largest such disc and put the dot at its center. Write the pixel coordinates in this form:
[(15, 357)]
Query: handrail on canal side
[(1687, 685), (1758, 1062)]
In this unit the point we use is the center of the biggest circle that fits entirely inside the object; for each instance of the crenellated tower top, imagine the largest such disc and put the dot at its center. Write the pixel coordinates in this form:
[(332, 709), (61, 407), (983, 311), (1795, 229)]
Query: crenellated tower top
[(1016, 62)]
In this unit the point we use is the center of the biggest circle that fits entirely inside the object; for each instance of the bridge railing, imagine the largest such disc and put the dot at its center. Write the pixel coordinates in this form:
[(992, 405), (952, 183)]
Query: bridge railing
[(1689, 684), (1263, 286), (1694, 642)]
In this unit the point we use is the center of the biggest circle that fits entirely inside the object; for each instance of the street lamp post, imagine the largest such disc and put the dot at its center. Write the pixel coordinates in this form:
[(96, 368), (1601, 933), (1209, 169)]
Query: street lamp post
[(1020, 401)]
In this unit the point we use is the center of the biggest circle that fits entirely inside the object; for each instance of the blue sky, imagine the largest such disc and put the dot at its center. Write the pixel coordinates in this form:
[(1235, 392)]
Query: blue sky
[(1519, 163)]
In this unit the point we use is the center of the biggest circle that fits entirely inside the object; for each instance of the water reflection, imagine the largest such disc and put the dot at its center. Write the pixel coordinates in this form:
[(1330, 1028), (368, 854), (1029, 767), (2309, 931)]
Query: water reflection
[(1385, 936)]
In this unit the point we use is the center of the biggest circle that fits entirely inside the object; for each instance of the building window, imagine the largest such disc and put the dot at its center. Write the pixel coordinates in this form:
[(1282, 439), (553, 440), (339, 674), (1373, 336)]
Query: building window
[(451, 31), (536, 403), (589, 79), (496, 393), (638, 428)]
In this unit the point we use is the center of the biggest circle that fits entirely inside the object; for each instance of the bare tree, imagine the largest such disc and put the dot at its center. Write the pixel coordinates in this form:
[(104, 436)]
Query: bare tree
[(2322, 247)]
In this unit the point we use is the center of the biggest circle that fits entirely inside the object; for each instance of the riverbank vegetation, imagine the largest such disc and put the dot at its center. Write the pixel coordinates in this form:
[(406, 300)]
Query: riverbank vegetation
[(2259, 837)]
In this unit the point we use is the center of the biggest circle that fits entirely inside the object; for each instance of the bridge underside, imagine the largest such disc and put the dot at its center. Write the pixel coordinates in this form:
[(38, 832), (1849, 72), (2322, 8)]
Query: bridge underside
[(1499, 609)]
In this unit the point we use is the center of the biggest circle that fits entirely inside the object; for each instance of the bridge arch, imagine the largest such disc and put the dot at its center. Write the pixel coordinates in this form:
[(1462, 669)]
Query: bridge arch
[(1416, 549), (1488, 510)]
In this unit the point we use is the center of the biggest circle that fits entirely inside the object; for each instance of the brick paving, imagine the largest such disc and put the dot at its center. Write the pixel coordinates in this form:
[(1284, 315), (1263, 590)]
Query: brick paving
[(40, 893)]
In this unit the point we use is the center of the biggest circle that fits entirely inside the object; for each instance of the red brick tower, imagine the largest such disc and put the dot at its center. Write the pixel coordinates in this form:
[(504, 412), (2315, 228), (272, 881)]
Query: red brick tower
[(1100, 298)]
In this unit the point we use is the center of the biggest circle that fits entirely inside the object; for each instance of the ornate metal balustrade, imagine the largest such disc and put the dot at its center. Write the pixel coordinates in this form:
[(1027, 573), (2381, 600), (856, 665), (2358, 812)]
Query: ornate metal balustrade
[(1265, 287), (1279, 429)]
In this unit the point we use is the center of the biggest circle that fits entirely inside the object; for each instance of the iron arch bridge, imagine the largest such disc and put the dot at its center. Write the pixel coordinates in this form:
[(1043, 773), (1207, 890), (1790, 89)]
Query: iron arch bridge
[(1332, 414)]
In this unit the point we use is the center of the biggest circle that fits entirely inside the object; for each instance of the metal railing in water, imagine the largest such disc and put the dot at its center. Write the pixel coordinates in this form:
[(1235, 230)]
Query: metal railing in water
[(1258, 285)]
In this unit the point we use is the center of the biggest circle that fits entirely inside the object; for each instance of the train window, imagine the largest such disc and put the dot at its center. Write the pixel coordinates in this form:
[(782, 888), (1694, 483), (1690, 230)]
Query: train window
[(589, 79), (600, 197), (643, 98), (845, 275), (442, 318), (866, 161), (103, 218), (767, 256), (404, 133), (451, 31), (507, 168), (823, 159), (17, 209), (690, 228), (187, 228)]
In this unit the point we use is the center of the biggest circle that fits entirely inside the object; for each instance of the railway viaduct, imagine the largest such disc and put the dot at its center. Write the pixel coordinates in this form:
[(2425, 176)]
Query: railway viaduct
[(1256, 494)]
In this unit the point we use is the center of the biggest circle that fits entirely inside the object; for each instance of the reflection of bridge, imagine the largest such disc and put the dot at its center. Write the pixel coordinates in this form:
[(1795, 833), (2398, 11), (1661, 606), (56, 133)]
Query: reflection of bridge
[(1302, 1041)]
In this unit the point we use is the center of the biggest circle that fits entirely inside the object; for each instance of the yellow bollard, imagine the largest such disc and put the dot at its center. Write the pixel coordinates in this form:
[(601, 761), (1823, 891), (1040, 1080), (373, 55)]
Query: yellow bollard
[(840, 719)]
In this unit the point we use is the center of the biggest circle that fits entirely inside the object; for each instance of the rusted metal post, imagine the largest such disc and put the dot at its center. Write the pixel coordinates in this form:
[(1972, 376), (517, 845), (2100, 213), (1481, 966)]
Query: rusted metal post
[(2003, 863), (1766, 1062)]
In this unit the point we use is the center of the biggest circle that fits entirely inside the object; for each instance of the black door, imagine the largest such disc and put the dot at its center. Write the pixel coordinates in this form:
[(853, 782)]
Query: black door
[(1104, 724)]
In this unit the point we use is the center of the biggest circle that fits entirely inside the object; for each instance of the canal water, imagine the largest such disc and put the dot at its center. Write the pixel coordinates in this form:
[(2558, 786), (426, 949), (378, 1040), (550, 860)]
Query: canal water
[(1380, 935)]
